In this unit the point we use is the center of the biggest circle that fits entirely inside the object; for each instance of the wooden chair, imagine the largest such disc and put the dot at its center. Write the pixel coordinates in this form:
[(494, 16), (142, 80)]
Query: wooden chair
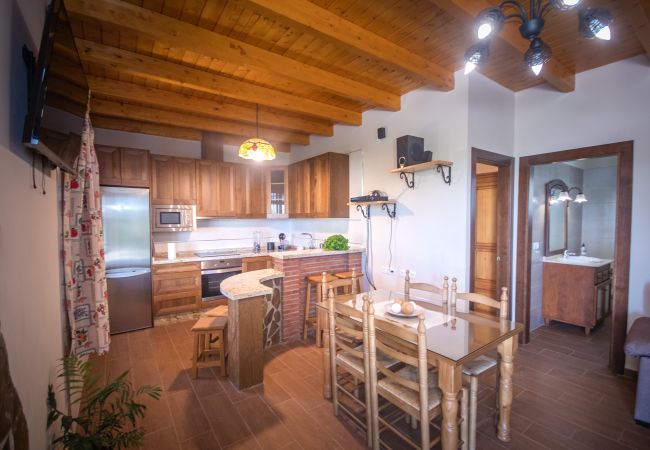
[(483, 364), (218, 311), (413, 389), (443, 291), (348, 326), (352, 274), (321, 295), (209, 341)]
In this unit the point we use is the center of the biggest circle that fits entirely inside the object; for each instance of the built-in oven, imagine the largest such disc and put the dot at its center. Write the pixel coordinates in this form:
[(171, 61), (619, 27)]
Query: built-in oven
[(213, 272), (174, 217)]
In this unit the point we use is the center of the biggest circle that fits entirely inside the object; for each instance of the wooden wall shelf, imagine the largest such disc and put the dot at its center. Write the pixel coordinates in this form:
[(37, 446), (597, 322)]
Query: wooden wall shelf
[(438, 164), (364, 207)]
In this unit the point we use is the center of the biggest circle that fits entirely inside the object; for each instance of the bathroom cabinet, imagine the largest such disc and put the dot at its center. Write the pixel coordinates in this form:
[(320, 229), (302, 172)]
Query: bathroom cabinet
[(576, 294)]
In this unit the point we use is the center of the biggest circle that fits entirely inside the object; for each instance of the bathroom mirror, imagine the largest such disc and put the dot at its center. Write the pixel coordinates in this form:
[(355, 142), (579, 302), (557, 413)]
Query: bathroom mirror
[(556, 219)]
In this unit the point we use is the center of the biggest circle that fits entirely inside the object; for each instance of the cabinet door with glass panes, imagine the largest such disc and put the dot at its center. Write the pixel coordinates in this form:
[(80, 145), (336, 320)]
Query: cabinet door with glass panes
[(277, 198)]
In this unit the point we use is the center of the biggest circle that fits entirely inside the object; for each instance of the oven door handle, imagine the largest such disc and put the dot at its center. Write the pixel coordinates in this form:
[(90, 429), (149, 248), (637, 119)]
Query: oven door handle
[(211, 272)]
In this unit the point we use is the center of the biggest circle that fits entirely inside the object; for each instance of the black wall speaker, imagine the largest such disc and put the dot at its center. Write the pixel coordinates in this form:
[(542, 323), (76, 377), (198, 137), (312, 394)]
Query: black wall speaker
[(381, 133), (411, 149)]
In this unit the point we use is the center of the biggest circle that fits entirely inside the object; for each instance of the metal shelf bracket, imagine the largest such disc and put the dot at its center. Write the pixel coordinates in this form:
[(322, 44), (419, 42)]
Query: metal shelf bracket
[(404, 176), (365, 212), (387, 207), (440, 168)]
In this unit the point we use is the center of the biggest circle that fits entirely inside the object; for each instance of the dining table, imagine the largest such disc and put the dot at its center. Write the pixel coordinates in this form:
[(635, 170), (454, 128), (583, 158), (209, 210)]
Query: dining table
[(455, 336)]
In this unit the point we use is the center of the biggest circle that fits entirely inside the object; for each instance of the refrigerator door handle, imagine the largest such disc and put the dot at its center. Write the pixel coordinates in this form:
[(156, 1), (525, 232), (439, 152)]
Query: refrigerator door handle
[(127, 273)]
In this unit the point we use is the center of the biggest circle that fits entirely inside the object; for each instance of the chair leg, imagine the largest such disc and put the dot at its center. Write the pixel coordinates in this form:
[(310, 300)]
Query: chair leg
[(473, 400), (464, 426), (307, 302), (319, 341), (222, 354), (195, 356)]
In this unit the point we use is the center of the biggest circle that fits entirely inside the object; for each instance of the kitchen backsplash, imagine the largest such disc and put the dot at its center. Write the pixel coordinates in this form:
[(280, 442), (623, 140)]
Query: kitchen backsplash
[(238, 233)]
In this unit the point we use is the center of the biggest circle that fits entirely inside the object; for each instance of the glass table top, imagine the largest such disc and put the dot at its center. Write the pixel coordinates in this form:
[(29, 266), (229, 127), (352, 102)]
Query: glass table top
[(451, 333)]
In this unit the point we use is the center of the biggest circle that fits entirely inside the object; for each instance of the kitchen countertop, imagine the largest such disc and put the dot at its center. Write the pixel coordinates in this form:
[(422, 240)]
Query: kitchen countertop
[(245, 253), (249, 284)]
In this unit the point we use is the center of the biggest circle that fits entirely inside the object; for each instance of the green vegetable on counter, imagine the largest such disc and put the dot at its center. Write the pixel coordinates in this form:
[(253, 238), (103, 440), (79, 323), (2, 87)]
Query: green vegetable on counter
[(336, 242)]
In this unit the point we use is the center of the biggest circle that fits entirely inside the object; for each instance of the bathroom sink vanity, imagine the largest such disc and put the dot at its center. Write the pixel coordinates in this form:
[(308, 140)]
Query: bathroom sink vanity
[(577, 290)]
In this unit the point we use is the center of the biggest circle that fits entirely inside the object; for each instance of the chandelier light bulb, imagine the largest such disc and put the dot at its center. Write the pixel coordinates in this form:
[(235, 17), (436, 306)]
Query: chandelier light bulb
[(570, 2), (537, 68), (469, 66), (604, 34), (484, 30)]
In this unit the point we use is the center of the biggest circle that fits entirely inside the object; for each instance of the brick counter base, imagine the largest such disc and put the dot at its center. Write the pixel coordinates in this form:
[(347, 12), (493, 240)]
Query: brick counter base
[(295, 286)]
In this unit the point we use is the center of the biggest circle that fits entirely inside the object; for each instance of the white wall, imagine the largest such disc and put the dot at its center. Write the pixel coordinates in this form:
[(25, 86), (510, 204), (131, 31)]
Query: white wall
[(30, 302), (610, 104), (599, 213)]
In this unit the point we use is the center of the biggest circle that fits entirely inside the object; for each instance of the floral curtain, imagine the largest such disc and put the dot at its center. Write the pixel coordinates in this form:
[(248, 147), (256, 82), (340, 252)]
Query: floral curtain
[(83, 252)]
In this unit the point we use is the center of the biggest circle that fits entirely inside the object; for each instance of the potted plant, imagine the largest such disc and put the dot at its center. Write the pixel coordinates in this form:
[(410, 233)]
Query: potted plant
[(108, 415), (336, 242)]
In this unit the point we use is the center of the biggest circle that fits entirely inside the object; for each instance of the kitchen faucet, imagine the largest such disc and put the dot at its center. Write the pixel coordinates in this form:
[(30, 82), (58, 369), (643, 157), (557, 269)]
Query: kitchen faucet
[(311, 240), (566, 254)]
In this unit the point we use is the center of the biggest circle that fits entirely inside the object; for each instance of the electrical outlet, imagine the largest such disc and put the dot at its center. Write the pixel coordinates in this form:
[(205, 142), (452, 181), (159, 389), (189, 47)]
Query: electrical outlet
[(388, 270), (535, 245)]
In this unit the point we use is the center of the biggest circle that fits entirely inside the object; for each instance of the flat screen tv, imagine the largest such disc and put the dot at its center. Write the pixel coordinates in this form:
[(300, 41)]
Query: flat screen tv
[(53, 122)]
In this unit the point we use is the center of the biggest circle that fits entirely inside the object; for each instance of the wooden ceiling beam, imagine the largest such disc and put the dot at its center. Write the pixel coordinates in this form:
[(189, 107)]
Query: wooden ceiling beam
[(199, 80), (313, 19), (109, 108), (183, 35), (187, 103), (553, 72), (134, 126), (637, 13)]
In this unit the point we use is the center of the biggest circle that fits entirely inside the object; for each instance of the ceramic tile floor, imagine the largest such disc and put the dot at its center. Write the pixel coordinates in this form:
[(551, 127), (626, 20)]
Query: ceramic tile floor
[(564, 397)]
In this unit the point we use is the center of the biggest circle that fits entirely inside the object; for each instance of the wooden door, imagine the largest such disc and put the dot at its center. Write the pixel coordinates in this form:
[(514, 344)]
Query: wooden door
[(109, 161), (207, 188), (339, 185), (162, 180), (134, 165), (256, 189), (320, 186), (184, 181), (485, 245), (226, 190)]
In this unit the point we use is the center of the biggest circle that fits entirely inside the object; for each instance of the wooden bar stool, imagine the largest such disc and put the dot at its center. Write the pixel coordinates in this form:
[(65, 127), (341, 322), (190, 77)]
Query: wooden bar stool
[(219, 311), (209, 342), (353, 275), (319, 281)]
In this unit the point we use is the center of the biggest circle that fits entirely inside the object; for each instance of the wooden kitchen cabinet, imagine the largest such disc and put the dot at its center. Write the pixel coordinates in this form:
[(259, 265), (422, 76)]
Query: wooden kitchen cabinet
[(256, 263), (576, 294), (176, 287), (277, 195), (215, 189), (118, 166), (250, 191), (173, 180), (319, 187)]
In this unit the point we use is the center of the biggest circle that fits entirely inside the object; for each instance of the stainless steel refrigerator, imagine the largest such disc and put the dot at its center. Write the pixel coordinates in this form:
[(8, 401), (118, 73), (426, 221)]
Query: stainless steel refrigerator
[(127, 248)]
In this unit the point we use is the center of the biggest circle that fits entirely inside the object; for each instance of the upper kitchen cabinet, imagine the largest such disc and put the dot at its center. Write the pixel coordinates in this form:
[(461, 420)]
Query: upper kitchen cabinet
[(319, 187), (215, 185), (173, 180), (123, 166), (277, 200), (250, 191)]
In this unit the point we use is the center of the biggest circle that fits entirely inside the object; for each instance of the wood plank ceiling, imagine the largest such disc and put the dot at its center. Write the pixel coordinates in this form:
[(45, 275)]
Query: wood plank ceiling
[(182, 67)]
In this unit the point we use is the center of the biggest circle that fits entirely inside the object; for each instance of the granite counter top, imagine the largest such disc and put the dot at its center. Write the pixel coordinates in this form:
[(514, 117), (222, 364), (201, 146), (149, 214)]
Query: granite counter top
[(249, 284), (285, 254)]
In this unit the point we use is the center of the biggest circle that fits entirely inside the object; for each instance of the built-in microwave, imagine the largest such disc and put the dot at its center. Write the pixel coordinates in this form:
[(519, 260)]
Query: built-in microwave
[(174, 217)]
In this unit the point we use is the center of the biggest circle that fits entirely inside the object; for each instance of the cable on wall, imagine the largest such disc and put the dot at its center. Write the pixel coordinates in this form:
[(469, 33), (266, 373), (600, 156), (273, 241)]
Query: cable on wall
[(369, 254)]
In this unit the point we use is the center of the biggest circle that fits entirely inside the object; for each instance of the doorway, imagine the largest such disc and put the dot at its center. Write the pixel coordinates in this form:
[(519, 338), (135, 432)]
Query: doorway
[(621, 246), (491, 223)]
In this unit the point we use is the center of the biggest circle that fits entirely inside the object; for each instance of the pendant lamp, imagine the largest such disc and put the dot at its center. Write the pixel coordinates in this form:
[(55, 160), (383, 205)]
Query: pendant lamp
[(257, 148)]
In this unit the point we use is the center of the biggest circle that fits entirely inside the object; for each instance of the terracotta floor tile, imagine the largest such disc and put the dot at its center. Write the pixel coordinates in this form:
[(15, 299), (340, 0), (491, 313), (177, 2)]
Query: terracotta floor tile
[(187, 414), (268, 428), (228, 426), (157, 415), (161, 440), (306, 395), (304, 428), (205, 441), (245, 444), (206, 383)]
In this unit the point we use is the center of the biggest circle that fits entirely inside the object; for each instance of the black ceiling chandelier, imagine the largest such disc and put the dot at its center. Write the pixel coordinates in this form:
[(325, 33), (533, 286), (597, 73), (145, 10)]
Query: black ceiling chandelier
[(592, 23)]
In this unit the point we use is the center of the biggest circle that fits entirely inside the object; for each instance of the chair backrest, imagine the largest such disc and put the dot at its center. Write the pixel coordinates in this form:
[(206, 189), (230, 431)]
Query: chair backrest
[(500, 305), (443, 291), (396, 342), (345, 326), (334, 285)]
